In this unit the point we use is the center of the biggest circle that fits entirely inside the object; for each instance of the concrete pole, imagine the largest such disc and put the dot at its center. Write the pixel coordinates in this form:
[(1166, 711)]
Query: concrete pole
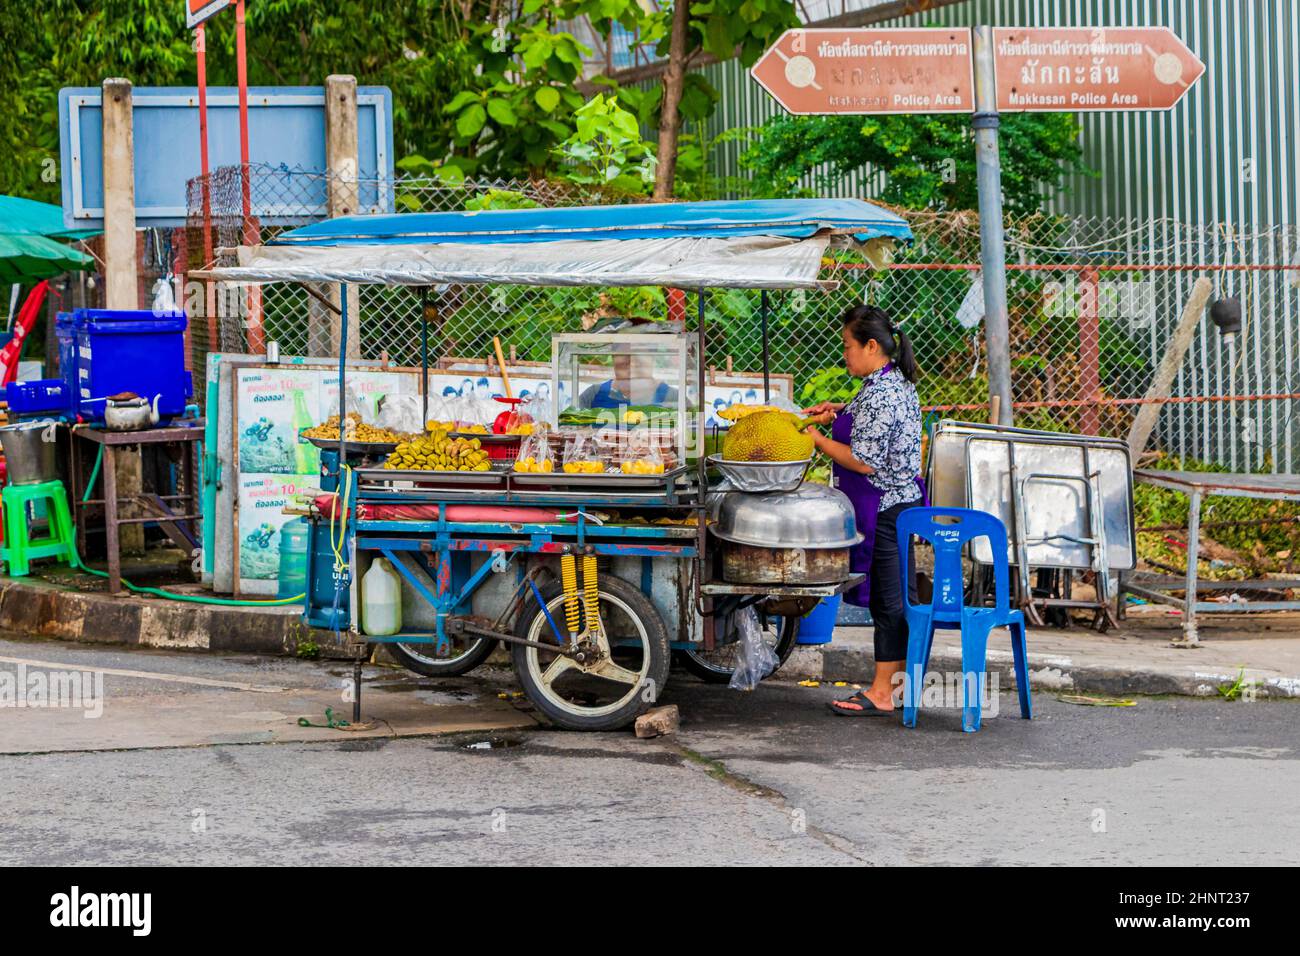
[(120, 281), (343, 195), (993, 252)]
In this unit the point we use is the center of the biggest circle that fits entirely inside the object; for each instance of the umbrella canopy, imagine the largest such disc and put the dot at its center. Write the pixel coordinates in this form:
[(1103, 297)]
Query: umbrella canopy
[(29, 217), (29, 258)]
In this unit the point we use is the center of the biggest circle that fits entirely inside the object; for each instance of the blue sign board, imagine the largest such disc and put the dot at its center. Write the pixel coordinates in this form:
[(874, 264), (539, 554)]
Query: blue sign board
[(286, 130)]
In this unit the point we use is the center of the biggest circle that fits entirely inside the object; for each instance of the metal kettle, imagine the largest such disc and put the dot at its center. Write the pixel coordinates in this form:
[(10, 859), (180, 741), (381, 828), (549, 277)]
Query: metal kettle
[(130, 413)]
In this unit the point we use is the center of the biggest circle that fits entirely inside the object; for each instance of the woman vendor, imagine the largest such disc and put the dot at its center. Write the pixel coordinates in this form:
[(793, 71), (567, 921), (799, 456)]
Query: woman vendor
[(875, 447)]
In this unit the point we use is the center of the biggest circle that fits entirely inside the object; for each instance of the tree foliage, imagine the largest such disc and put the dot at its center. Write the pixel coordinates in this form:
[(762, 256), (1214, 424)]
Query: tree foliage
[(416, 47), (928, 161)]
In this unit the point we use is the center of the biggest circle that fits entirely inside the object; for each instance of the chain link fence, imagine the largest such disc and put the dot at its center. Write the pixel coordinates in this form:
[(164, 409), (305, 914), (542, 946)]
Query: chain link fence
[(1093, 304)]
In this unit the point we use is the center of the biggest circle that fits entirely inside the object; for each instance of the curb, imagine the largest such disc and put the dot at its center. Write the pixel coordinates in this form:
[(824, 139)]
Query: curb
[(46, 610), (37, 607), (1046, 673)]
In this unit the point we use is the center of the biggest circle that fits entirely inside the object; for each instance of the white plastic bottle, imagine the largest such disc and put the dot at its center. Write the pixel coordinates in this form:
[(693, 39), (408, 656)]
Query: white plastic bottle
[(381, 599)]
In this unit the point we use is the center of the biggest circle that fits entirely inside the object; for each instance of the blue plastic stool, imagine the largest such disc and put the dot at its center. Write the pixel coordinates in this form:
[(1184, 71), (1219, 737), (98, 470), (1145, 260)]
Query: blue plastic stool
[(949, 530)]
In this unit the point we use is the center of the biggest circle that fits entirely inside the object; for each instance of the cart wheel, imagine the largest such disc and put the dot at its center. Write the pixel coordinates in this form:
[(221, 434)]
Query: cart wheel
[(628, 670), (717, 665), (464, 657)]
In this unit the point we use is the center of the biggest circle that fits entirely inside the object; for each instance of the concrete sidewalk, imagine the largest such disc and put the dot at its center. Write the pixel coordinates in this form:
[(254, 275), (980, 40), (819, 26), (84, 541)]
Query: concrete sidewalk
[(1136, 659)]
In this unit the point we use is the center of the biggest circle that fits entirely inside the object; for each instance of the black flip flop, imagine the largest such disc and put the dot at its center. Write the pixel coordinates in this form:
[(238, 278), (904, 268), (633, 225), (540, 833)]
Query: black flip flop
[(865, 707)]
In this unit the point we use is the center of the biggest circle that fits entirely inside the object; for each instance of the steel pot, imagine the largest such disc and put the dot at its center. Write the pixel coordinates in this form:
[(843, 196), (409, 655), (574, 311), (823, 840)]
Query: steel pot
[(748, 564), (29, 452), (812, 516)]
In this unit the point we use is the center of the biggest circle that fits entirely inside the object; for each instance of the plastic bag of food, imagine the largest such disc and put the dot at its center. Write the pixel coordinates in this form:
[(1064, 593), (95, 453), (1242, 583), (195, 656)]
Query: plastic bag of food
[(641, 454), (440, 416), (401, 413), (582, 456), (754, 659), (467, 412), (535, 453)]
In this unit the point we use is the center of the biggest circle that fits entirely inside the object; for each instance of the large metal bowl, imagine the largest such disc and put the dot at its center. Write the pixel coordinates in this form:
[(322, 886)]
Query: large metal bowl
[(761, 476), (812, 516)]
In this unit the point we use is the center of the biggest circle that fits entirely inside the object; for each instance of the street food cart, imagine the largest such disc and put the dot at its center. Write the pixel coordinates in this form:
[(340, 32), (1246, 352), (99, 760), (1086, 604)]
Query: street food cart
[(492, 554)]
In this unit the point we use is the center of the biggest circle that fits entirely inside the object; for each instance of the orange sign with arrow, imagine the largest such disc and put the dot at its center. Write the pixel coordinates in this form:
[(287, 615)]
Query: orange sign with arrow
[(817, 72), (1082, 69)]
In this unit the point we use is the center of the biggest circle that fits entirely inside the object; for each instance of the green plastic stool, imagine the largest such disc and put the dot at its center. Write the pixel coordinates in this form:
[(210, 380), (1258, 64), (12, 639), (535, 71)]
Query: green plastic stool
[(19, 548)]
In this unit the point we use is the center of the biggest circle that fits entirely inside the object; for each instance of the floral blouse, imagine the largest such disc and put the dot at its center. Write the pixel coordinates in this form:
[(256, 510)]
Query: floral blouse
[(887, 434)]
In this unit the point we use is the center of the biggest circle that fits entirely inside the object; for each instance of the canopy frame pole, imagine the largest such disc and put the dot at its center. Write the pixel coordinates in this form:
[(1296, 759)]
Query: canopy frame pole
[(702, 604), (343, 373), (762, 318), (697, 427), (424, 353)]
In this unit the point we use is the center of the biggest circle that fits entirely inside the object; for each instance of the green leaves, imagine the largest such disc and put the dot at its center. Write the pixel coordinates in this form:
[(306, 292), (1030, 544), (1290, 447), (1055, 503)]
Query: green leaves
[(502, 112), (606, 147), (470, 121), (547, 98), (928, 160)]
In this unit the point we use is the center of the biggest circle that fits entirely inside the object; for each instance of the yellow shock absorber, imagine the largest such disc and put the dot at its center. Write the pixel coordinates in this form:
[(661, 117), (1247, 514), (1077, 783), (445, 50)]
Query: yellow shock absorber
[(591, 592), (569, 580)]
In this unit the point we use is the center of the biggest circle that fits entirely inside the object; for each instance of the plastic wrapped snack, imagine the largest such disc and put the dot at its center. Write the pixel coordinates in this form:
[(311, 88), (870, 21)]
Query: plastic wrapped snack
[(401, 414), (535, 453), (582, 456), (641, 455), (467, 413)]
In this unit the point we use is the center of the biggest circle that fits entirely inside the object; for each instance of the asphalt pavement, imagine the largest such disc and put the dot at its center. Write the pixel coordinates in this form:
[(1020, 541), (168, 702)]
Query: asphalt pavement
[(768, 777)]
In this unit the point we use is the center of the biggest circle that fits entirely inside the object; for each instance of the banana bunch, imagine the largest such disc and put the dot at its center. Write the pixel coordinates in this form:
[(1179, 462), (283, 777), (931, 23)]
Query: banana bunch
[(437, 452)]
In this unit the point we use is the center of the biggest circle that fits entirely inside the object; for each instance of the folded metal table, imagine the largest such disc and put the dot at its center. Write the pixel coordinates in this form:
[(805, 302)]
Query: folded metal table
[(1196, 485)]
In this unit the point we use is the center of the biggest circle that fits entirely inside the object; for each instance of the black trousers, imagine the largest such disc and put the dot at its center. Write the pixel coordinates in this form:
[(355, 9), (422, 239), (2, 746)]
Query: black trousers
[(886, 603)]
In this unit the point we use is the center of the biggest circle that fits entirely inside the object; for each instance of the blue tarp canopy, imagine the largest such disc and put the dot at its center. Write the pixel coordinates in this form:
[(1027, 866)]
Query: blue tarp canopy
[(790, 218), (758, 244)]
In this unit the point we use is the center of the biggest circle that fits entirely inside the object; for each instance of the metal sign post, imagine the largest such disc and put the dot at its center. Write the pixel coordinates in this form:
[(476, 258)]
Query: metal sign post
[(993, 251)]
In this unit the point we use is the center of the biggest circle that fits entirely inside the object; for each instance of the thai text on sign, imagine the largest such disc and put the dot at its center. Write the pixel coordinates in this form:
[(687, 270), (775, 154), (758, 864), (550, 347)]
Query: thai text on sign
[(1072, 69), (819, 71)]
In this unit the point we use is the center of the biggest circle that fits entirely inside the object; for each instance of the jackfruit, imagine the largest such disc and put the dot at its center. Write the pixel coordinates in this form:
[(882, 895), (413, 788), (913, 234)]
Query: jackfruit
[(734, 413), (768, 436)]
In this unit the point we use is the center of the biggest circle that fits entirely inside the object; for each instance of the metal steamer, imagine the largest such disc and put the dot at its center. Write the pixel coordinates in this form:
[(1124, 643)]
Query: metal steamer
[(799, 537)]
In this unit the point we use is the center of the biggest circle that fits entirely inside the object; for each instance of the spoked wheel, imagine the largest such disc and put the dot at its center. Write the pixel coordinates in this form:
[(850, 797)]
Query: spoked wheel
[(466, 653), (716, 666), (623, 670)]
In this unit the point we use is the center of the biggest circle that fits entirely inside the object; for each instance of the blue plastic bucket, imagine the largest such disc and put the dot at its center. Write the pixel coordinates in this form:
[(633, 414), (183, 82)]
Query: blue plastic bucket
[(819, 624)]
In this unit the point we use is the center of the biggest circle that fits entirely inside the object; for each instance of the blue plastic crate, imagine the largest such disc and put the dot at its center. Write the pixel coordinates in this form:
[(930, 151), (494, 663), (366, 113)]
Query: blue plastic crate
[(41, 395)]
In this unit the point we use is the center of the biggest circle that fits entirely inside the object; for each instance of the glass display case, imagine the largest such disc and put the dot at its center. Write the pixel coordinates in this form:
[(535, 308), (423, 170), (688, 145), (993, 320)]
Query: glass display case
[(633, 387)]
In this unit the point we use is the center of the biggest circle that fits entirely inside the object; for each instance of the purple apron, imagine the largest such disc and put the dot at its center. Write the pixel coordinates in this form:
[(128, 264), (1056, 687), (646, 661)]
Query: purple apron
[(866, 499)]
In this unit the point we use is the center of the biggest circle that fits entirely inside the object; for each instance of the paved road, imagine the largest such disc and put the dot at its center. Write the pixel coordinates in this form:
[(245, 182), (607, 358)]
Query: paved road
[(767, 777)]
